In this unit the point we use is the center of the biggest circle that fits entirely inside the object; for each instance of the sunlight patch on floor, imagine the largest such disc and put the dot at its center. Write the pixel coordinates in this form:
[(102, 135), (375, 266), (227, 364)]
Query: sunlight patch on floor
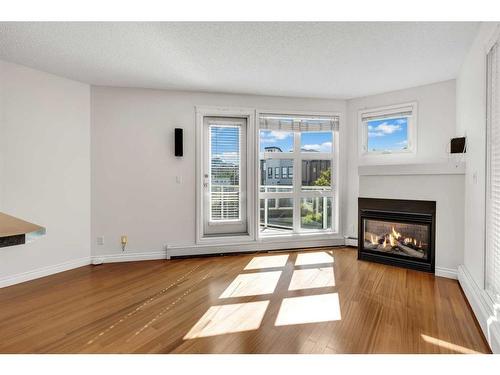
[(309, 309), (252, 284), (320, 257), (448, 345), (220, 320), (267, 262), (312, 278)]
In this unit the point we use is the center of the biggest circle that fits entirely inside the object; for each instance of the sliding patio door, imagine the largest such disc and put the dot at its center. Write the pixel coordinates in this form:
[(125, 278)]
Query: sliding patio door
[(224, 176)]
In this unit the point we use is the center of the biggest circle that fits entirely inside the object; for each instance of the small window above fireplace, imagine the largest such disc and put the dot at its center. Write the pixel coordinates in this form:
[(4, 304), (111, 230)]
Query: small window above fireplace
[(388, 130)]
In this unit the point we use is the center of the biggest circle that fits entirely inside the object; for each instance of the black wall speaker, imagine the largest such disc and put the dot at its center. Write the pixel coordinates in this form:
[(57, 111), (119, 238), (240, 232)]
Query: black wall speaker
[(458, 145), (179, 148)]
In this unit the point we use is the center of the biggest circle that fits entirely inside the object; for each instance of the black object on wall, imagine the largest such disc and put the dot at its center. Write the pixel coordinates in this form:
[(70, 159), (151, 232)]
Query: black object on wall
[(458, 145), (179, 142)]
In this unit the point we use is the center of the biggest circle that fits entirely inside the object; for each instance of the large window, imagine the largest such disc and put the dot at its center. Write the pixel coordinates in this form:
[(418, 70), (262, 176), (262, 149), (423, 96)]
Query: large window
[(302, 198), (493, 177), (388, 130)]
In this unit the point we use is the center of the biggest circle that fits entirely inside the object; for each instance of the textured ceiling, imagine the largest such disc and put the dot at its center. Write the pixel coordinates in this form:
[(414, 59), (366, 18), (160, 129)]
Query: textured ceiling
[(331, 60)]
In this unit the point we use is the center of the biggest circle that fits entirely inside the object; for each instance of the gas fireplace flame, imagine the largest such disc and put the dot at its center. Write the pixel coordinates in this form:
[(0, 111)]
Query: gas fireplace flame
[(392, 240), (374, 241), (395, 234), (385, 243)]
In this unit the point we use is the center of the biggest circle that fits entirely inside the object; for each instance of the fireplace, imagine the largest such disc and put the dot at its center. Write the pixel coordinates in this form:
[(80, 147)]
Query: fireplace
[(397, 232)]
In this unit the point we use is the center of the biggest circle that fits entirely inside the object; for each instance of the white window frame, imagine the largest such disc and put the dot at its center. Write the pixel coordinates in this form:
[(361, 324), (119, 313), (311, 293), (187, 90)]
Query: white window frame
[(211, 220), (216, 111), (385, 112), (297, 194)]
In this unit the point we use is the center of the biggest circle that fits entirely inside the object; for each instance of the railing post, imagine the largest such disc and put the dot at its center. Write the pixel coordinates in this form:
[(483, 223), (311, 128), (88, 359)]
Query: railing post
[(325, 216), (265, 212)]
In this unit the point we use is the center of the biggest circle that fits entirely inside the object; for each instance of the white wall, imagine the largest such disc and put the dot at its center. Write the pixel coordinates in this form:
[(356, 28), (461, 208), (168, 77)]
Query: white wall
[(45, 179), (436, 125), (134, 189)]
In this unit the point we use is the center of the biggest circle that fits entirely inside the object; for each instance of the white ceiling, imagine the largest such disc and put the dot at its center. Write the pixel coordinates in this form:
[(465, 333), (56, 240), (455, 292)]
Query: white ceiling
[(331, 60)]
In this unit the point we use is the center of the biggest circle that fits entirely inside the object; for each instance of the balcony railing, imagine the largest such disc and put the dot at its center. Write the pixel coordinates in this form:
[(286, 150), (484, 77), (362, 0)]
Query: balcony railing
[(289, 188), (224, 202)]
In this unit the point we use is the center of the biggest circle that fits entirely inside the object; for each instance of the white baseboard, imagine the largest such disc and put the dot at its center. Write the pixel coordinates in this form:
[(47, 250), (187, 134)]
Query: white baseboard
[(349, 241), (449, 273), (42, 272), (128, 257), (190, 250), (483, 307)]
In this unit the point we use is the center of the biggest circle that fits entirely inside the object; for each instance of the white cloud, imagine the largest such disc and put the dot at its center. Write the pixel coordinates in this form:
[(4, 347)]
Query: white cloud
[(268, 140), (313, 147), (280, 135), (274, 136), (387, 128), (383, 129), (323, 147)]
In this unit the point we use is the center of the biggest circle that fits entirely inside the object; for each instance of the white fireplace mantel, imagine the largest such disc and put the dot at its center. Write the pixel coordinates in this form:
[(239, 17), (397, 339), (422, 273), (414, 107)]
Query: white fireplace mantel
[(411, 169)]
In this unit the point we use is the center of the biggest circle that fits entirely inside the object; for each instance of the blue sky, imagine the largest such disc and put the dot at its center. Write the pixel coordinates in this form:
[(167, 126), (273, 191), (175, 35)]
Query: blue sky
[(388, 134), (318, 141)]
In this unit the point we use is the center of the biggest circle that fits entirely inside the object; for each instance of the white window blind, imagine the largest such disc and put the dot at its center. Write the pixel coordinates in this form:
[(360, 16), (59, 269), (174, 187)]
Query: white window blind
[(404, 111), (225, 172), (493, 176), (299, 123)]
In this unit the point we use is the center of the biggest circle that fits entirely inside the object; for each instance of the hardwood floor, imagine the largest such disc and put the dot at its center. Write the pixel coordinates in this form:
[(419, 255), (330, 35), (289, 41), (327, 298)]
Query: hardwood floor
[(316, 301)]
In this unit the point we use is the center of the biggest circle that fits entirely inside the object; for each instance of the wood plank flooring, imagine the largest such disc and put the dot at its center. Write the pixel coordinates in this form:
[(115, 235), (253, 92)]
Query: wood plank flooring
[(314, 301)]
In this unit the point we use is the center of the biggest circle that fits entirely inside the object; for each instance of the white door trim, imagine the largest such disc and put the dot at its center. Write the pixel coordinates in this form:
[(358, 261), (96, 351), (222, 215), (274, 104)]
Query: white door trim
[(216, 111)]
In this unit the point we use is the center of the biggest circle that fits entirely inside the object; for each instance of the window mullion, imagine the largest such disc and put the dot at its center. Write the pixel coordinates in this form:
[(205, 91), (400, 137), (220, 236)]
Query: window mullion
[(297, 181)]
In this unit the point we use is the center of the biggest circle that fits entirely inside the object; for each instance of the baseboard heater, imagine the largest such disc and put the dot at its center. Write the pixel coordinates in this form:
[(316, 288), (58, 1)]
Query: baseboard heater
[(248, 252)]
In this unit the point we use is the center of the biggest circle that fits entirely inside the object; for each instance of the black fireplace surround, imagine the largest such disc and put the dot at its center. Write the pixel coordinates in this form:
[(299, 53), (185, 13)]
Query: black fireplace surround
[(397, 232)]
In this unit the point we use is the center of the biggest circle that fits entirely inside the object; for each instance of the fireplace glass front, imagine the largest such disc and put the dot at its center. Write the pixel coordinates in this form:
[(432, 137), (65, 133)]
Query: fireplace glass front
[(397, 238)]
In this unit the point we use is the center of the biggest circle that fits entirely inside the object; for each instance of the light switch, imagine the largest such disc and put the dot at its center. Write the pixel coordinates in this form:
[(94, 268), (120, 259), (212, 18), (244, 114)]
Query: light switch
[(100, 240)]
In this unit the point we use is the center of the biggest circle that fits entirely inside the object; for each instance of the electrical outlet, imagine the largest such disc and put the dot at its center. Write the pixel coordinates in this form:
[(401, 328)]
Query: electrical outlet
[(100, 240)]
